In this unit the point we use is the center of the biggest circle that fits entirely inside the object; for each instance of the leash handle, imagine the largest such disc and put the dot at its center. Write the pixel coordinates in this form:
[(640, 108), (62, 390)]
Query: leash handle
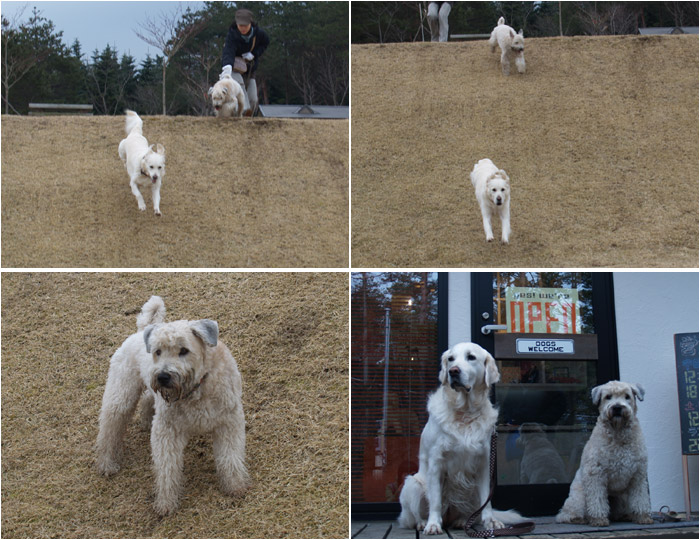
[(512, 530)]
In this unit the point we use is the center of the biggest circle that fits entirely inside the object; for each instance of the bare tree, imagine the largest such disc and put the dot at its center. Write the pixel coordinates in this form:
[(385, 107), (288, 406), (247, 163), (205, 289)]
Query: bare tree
[(200, 59), (333, 75), (304, 79), (608, 18), (168, 36), (18, 55)]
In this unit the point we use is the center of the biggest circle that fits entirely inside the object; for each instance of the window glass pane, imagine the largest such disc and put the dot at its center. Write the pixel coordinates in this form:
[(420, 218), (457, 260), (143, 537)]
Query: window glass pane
[(545, 410), (394, 365)]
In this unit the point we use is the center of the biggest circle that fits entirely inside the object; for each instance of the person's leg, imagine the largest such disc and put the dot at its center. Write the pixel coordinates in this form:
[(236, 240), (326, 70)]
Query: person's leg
[(252, 95), (239, 79), (433, 21), (444, 26)]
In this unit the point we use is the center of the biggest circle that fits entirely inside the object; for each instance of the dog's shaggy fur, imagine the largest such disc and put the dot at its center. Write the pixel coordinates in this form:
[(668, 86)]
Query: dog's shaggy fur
[(512, 46), (612, 478), (227, 97), (190, 384), (492, 190), (143, 165), (453, 474)]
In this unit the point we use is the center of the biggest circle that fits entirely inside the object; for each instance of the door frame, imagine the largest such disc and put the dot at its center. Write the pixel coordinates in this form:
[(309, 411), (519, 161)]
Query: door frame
[(547, 499)]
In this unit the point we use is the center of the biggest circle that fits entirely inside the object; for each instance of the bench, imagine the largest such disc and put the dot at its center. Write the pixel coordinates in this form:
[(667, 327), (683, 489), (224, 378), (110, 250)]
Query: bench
[(43, 109)]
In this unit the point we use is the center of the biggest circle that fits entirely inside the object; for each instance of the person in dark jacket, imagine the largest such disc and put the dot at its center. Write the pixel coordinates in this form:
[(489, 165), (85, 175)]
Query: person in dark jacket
[(245, 44)]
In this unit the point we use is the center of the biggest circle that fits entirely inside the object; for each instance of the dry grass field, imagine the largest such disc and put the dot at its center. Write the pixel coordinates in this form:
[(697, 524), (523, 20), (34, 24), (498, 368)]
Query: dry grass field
[(600, 139), (288, 333), (264, 193)]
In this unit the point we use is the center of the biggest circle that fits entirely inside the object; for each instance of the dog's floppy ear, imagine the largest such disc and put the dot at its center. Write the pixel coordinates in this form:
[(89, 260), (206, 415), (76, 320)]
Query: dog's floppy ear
[(147, 336), (443, 366), (206, 330), (596, 394), (160, 149), (491, 376), (211, 90), (638, 391), (503, 174)]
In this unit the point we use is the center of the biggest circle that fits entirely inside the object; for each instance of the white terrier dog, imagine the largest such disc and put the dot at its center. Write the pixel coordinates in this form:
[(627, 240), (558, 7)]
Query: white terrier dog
[(189, 384), (512, 46), (492, 189), (143, 165), (227, 97), (611, 481)]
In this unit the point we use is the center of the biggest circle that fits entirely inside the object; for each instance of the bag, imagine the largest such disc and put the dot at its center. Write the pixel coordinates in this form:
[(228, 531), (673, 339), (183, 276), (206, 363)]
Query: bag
[(239, 65)]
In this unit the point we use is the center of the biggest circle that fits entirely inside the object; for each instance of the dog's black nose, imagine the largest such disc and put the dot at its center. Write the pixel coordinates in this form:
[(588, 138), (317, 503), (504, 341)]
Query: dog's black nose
[(164, 378), (454, 371), (617, 410)]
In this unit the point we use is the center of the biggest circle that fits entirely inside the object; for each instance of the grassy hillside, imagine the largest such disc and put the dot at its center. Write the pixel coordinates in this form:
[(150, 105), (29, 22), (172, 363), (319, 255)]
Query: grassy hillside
[(288, 333), (600, 139), (237, 193)]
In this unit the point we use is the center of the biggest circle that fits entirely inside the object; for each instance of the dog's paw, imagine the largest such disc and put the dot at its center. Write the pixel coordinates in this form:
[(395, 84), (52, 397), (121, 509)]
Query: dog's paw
[(142, 207), (493, 523), (504, 240), (158, 213), (432, 528), (489, 238), (643, 519), (107, 467), (599, 522)]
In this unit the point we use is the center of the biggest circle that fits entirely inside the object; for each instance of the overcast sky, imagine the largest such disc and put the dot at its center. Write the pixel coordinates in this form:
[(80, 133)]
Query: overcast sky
[(98, 24)]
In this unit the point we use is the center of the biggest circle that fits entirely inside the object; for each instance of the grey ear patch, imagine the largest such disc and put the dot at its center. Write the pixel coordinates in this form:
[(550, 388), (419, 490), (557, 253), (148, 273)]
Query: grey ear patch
[(207, 330), (147, 336)]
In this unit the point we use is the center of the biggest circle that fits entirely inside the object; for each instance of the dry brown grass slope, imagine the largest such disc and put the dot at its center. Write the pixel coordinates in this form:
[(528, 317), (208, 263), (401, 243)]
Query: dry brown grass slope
[(237, 193), (600, 139), (288, 333)]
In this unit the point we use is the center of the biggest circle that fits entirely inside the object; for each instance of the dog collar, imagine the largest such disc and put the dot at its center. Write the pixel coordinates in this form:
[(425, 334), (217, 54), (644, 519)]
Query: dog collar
[(196, 387)]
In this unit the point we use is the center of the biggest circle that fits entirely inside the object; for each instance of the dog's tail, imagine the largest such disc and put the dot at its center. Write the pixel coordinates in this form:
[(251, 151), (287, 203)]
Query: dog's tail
[(500, 21), (152, 312), (509, 517), (133, 123)]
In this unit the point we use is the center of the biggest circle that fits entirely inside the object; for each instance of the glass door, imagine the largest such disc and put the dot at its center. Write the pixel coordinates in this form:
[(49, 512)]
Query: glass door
[(553, 337)]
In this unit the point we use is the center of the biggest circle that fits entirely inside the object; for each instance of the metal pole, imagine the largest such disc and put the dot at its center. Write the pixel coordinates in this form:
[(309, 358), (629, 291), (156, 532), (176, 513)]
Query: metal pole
[(385, 405)]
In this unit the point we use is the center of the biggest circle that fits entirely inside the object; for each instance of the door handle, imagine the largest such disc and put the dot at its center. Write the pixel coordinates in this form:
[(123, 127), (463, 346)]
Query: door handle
[(488, 328)]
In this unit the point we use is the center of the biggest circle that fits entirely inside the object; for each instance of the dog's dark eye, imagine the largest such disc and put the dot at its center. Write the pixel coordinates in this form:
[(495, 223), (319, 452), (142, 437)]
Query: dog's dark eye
[(158, 352), (471, 357), (608, 397), (450, 358), (628, 397), (183, 351)]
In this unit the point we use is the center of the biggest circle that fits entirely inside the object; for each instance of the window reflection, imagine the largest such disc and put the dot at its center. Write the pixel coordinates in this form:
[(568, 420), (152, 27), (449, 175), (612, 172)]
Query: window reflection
[(545, 409)]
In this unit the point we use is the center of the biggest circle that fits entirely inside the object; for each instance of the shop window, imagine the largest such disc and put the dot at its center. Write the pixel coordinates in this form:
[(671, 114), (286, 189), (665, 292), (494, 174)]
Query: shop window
[(394, 365)]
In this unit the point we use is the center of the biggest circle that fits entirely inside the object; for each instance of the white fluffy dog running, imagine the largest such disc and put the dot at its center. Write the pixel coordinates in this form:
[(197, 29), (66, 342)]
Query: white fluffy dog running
[(227, 97), (512, 46), (143, 165), (612, 478), (453, 472), (492, 189), (189, 384)]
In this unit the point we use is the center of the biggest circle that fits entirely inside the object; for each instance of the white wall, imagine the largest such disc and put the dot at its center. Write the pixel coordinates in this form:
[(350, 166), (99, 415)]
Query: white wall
[(459, 308), (651, 307)]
